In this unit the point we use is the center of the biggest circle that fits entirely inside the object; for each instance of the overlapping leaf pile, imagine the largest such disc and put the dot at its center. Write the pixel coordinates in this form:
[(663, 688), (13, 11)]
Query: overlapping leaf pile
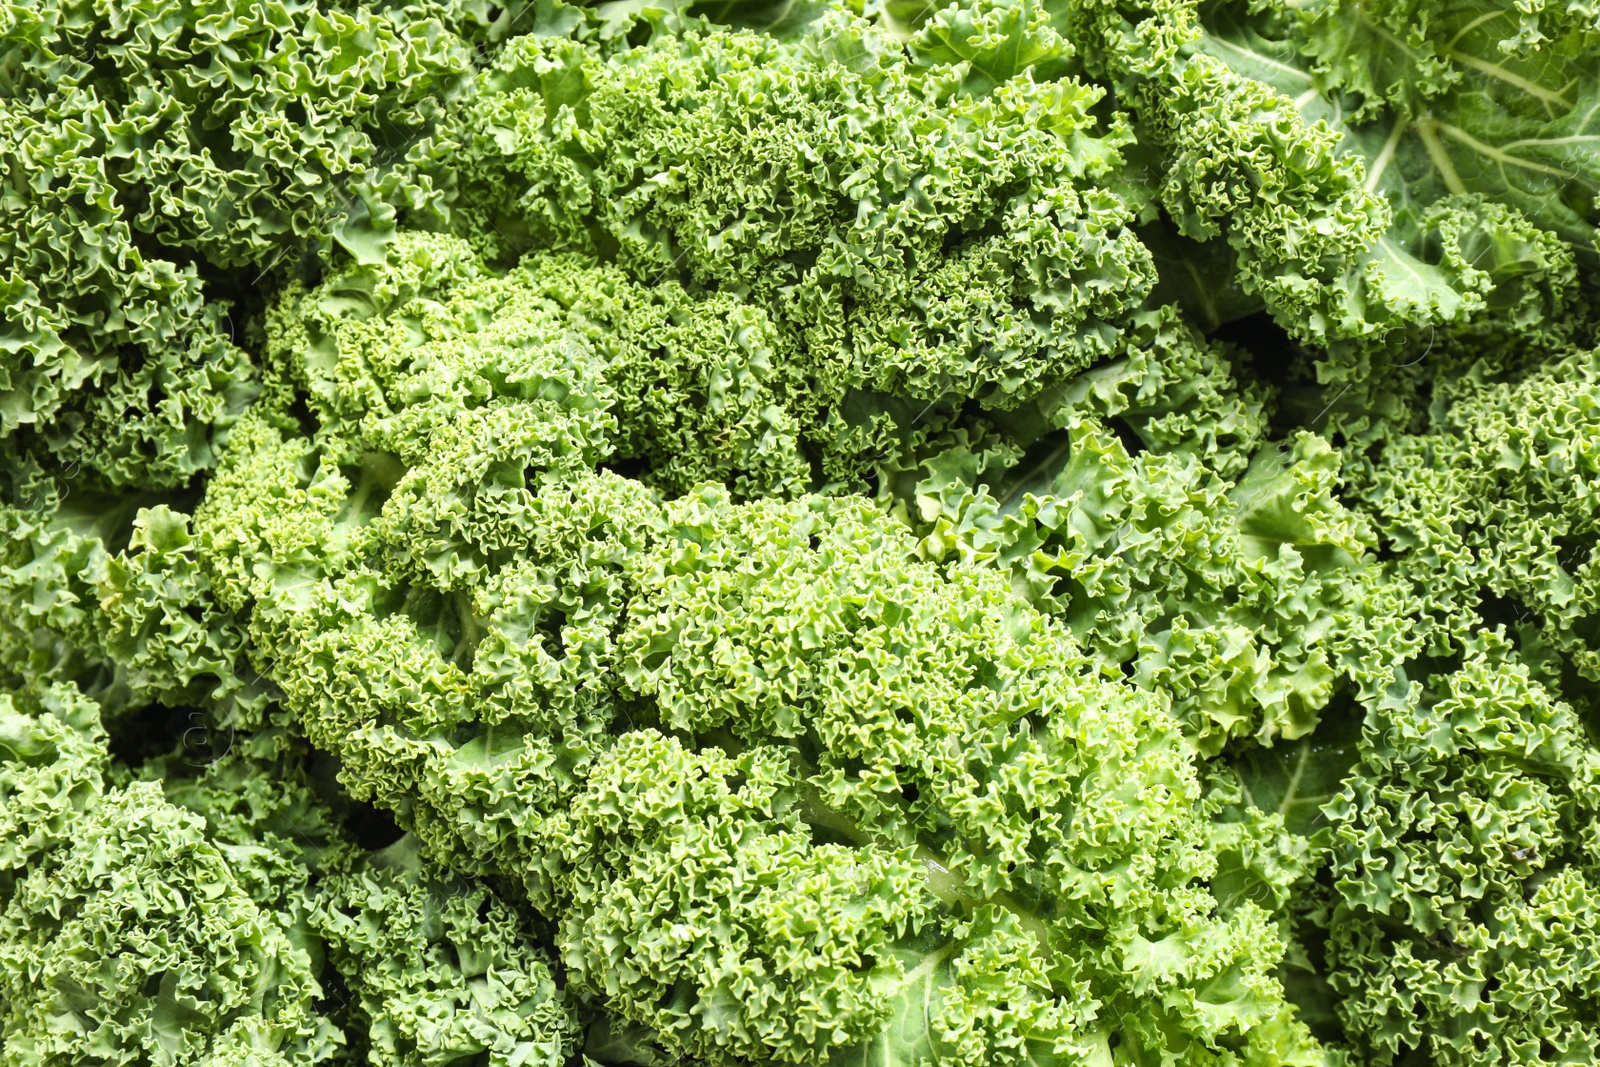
[(816, 533)]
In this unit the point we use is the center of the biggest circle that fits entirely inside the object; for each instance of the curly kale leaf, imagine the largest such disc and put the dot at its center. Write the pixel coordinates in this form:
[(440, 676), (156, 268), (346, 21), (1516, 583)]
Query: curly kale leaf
[(915, 231), (785, 789), (1140, 503), (160, 157), (103, 591), (127, 937), (1466, 864)]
